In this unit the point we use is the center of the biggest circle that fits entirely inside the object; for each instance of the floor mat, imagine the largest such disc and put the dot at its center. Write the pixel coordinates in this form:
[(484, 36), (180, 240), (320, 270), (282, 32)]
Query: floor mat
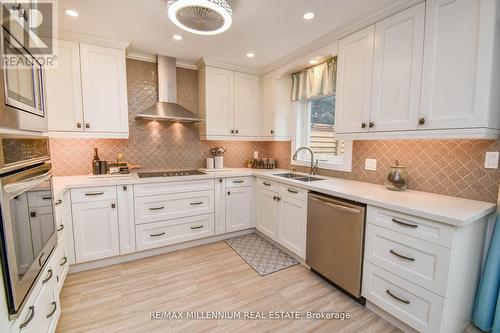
[(261, 255)]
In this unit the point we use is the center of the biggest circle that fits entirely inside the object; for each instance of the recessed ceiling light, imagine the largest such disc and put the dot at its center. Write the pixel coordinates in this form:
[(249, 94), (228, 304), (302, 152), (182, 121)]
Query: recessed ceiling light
[(177, 37), (71, 12), (250, 55), (308, 16), (313, 61)]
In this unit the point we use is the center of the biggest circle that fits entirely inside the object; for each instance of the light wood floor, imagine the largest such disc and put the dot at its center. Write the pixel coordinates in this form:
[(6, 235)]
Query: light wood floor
[(206, 278)]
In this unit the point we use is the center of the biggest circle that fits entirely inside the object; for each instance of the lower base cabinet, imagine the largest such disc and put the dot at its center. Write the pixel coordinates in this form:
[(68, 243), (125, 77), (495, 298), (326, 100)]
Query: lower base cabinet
[(239, 208), (268, 213), (293, 225)]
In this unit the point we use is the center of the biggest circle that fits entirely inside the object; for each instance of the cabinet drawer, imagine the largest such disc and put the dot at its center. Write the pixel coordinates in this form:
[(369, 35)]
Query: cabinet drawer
[(415, 306), (173, 187), (239, 182), (292, 192), (423, 263), (171, 206), (414, 226), (267, 184), (152, 235), (93, 194), (39, 198)]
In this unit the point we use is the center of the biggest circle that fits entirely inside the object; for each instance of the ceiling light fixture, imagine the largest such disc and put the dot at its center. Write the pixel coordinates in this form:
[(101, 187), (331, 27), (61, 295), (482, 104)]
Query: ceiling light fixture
[(71, 12), (308, 16), (177, 37), (313, 61), (250, 54), (202, 17)]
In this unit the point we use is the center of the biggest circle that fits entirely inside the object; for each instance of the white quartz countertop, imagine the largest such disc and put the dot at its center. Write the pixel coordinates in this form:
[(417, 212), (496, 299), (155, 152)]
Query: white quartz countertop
[(441, 208)]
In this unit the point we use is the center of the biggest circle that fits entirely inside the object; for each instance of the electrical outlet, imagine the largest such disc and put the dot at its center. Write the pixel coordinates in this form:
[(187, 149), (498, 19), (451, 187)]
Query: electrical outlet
[(491, 160), (371, 164)]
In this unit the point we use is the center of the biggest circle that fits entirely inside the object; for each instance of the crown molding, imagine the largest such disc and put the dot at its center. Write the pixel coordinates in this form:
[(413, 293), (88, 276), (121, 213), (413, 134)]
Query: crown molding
[(91, 39), (152, 58), (224, 65), (334, 36)]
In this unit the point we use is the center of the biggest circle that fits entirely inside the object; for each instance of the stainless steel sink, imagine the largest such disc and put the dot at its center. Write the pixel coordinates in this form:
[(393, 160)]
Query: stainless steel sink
[(299, 177)]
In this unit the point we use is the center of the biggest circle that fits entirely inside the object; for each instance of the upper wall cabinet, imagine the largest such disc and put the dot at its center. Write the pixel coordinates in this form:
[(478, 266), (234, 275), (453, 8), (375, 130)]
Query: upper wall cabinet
[(461, 65), (87, 92), (276, 107), (229, 103)]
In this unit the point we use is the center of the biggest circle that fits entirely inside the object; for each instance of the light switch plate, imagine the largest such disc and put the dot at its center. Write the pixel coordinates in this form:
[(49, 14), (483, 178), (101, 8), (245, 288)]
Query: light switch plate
[(371, 164), (491, 160)]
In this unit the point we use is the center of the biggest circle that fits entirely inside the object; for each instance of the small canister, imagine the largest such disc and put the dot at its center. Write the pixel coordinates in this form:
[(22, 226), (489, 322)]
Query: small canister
[(397, 179), (104, 167), (210, 163)]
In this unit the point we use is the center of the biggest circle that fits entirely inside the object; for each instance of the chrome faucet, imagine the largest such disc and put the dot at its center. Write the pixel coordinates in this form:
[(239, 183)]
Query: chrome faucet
[(314, 167)]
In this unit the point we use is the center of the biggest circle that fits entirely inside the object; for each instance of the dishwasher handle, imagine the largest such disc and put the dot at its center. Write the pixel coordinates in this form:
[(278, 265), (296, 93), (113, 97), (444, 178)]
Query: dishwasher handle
[(335, 205)]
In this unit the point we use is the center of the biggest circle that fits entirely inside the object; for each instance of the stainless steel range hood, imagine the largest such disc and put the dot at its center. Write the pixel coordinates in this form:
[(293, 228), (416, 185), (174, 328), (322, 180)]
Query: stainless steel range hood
[(166, 108)]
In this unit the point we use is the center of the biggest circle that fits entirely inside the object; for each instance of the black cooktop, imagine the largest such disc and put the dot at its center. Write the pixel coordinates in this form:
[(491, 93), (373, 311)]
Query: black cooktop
[(175, 173)]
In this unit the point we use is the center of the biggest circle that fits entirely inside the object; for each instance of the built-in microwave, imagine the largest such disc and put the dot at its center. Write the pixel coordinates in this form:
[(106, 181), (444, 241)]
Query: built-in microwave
[(22, 103)]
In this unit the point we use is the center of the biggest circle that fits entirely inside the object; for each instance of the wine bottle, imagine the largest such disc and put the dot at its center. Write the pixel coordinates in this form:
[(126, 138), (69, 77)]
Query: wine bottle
[(96, 163)]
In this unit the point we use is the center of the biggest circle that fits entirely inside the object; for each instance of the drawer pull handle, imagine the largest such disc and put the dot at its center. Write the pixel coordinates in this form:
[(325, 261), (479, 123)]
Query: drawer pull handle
[(404, 224), (47, 198), (30, 317), (94, 193), (402, 256), (238, 181), (49, 276), (60, 228), (396, 297), (157, 235), (157, 208), (266, 184), (197, 227), (58, 202), (293, 191), (64, 261), (54, 309), (196, 203)]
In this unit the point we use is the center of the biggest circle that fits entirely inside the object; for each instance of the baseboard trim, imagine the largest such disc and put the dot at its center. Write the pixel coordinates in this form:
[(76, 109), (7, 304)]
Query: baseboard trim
[(154, 252)]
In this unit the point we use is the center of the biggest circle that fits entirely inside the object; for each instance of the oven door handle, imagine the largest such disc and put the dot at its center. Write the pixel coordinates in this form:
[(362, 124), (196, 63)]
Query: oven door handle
[(24, 185)]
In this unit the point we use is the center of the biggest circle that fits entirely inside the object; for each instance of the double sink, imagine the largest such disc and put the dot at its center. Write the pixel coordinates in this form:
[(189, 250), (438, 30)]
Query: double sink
[(299, 177)]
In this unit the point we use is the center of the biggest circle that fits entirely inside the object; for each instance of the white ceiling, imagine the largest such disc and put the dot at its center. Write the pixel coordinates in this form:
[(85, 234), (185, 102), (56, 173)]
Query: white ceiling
[(271, 29)]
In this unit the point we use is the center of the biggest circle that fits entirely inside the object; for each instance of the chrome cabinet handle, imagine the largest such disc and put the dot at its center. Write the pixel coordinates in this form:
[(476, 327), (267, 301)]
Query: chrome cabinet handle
[(157, 208), (54, 309), (196, 203), (405, 301), (409, 225), (197, 227), (64, 261), (401, 256), (94, 193), (238, 181), (293, 191), (49, 276), (266, 184), (60, 227), (58, 202), (30, 317), (157, 235)]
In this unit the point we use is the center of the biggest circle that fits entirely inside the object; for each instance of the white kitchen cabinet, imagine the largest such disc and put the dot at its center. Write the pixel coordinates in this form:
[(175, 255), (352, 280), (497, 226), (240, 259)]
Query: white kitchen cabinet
[(397, 68), (220, 206), (268, 213), (64, 90), (239, 208), (461, 65), (354, 81), (276, 106), (230, 104), (125, 200), (104, 89), (293, 219), (96, 232)]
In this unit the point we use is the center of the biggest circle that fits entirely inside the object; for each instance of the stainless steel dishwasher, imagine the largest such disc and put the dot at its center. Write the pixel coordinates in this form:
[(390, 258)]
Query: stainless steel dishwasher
[(335, 240)]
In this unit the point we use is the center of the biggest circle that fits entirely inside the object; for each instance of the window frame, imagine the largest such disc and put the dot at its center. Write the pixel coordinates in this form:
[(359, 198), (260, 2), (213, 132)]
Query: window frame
[(301, 111)]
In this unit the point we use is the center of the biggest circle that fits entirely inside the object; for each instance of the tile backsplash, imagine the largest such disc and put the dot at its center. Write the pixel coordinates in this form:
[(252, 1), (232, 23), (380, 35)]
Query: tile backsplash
[(450, 167)]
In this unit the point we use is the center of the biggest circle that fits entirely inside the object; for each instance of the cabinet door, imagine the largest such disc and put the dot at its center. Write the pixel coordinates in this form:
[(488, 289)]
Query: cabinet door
[(220, 206), (292, 225), (397, 68), (125, 196), (104, 88), (269, 105), (64, 89), (354, 81), (218, 101), (238, 208), (246, 104), (457, 63), (95, 226), (267, 213)]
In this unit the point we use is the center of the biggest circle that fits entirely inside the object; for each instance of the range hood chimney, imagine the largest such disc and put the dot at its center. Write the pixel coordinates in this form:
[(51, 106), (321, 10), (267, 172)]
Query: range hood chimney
[(166, 108)]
